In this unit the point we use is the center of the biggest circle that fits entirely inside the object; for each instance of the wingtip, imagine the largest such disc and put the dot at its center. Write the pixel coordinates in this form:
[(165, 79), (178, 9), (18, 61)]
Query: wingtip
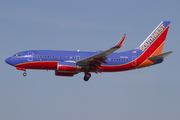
[(171, 51), (120, 42)]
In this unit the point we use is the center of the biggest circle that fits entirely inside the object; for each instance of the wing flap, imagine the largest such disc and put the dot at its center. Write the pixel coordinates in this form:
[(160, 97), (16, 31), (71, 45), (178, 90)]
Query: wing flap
[(100, 60)]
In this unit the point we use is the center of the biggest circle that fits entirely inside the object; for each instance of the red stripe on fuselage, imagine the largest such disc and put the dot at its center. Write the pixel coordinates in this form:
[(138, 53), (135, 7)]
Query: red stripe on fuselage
[(47, 65)]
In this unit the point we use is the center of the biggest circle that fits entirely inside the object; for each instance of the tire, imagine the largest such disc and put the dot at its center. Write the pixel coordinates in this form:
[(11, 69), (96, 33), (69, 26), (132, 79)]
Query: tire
[(24, 74), (87, 76)]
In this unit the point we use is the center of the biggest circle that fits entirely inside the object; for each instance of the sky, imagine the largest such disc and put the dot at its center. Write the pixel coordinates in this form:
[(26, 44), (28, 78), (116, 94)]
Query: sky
[(151, 93)]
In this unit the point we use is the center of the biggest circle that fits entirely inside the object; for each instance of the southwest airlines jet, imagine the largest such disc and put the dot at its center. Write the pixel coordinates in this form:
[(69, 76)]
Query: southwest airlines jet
[(70, 63)]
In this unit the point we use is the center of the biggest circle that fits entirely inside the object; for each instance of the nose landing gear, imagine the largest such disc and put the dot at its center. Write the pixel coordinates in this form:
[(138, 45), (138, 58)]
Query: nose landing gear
[(23, 69), (24, 74)]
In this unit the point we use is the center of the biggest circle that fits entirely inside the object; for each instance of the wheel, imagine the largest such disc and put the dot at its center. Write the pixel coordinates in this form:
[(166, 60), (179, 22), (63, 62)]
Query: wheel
[(24, 74), (87, 76)]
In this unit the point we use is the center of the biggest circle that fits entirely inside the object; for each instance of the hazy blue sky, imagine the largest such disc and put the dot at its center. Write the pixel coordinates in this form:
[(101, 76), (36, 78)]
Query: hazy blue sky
[(151, 93)]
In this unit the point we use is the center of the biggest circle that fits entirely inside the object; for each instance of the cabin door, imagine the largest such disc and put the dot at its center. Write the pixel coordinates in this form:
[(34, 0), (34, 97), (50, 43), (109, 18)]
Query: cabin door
[(30, 56), (134, 62)]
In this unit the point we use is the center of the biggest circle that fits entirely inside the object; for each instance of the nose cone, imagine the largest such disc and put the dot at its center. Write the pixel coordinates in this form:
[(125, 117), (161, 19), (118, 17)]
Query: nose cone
[(8, 61)]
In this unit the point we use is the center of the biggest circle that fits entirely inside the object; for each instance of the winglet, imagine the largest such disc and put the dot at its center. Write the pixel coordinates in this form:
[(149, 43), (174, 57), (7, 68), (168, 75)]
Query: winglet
[(120, 42)]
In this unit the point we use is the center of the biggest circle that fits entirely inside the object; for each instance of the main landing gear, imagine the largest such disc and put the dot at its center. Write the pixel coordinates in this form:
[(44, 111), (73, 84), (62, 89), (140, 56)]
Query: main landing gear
[(87, 76)]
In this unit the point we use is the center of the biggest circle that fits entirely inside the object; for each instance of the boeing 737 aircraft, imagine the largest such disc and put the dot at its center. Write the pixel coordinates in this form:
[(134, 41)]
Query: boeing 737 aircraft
[(69, 63)]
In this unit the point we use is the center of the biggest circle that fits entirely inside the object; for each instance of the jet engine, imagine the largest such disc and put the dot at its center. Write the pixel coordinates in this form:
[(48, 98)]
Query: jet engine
[(66, 69), (67, 66)]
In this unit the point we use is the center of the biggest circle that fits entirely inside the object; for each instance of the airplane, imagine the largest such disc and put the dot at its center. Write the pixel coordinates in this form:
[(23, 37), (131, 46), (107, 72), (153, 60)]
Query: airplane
[(70, 63)]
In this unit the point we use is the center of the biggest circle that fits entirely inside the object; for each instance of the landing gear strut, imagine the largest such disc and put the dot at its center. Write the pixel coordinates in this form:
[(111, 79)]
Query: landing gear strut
[(24, 74), (23, 69), (87, 76)]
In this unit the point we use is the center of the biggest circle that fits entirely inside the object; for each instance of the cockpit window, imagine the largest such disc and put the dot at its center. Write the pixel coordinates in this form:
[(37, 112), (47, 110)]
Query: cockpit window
[(17, 55)]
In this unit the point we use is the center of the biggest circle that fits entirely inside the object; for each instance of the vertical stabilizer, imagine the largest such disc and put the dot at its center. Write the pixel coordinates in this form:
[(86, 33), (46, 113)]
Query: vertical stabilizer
[(153, 44), (156, 39)]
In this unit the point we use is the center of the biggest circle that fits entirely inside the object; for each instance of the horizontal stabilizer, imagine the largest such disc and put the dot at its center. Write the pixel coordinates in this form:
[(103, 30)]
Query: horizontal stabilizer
[(161, 56)]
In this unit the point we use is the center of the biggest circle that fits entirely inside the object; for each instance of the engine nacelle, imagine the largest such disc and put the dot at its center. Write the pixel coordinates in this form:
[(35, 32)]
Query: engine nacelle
[(67, 66), (68, 74)]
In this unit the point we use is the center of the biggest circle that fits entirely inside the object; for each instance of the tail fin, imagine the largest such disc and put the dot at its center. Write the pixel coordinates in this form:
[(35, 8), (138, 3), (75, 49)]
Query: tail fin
[(152, 47), (154, 43)]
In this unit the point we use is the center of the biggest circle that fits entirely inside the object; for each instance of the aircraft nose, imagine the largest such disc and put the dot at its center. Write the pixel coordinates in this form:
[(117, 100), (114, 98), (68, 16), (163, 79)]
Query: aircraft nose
[(8, 61)]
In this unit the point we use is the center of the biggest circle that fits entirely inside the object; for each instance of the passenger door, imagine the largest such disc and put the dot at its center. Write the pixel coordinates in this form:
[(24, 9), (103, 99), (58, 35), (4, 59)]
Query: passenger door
[(134, 62), (30, 56)]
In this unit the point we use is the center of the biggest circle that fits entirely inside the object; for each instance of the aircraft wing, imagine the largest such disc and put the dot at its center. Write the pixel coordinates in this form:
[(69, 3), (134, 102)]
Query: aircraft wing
[(97, 59)]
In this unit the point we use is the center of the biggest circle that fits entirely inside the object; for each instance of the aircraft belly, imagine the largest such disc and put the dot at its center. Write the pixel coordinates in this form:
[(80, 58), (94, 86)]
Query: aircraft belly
[(117, 68), (47, 65)]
